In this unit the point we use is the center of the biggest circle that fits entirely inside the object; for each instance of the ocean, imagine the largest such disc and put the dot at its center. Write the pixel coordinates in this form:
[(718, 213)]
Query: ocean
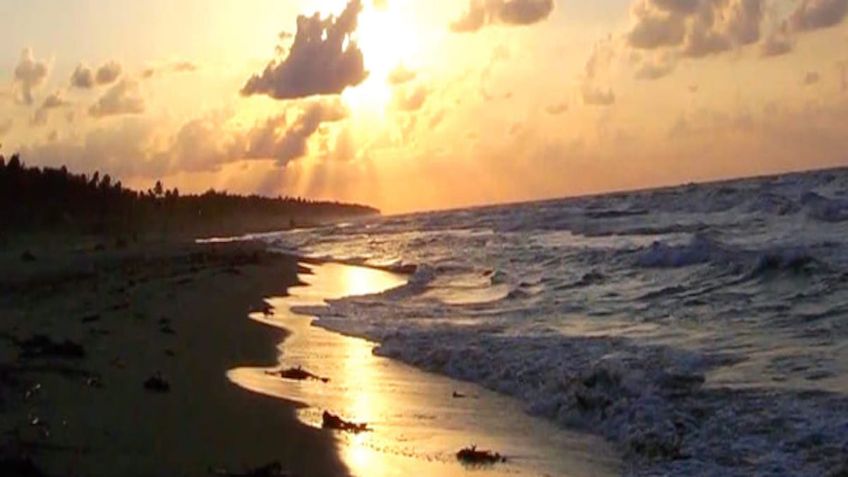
[(701, 329)]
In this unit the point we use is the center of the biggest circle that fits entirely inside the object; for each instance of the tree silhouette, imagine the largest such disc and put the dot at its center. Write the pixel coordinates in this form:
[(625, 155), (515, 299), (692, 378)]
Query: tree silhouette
[(56, 200)]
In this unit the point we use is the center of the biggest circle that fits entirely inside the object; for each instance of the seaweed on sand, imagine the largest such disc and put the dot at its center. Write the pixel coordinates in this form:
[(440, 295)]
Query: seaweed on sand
[(331, 421), (473, 456), (297, 374)]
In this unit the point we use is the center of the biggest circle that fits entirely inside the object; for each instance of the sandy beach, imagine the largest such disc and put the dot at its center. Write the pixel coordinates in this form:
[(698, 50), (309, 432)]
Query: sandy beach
[(83, 330)]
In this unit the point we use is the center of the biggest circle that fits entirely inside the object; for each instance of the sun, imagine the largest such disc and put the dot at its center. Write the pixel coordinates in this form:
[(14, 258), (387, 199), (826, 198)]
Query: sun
[(387, 38)]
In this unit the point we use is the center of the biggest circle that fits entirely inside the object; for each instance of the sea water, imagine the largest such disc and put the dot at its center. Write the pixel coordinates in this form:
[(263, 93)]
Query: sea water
[(700, 329)]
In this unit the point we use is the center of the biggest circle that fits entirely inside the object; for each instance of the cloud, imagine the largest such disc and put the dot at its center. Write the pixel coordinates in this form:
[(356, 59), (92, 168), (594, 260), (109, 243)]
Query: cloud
[(6, 126), (108, 73), (598, 97), (481, 13), (557, 109), (122, 149), (184, 67), (29, 75), (143, 147), (176, 67), (658, 67), (811, 78), (411, 99), (596, 68), (122, 98), (698, 27), (82, 77), (323, 59), (817, 14), (777, 43), (808, 15), (51, 102), (275, 139), (400, 75)]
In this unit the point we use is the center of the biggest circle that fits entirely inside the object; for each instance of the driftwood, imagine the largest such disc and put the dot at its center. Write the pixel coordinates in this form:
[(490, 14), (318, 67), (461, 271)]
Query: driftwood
[(331, 421), (297, 374), (473, 456)]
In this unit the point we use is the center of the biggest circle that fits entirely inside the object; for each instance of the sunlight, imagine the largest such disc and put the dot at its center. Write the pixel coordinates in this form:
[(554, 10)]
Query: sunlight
[(387, 38), (363, 281)]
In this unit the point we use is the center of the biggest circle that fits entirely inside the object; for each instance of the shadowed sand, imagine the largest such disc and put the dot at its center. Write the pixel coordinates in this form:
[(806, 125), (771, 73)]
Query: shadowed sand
[(417, 421), (178, 310)]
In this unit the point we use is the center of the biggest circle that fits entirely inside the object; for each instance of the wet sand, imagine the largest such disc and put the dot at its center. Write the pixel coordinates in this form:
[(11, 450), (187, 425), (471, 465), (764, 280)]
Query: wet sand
[(418, 420), (178, 310)]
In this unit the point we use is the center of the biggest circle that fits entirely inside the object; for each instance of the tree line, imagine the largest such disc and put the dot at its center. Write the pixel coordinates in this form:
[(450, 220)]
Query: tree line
[(45, 199)]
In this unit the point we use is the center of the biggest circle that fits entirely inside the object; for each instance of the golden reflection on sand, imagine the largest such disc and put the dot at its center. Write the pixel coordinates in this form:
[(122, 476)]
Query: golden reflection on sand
[(417, 424)]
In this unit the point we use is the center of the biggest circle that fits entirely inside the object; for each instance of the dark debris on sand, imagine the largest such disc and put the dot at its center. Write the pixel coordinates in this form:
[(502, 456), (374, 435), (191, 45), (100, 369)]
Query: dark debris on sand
[(336, 423), (297, 374), (41, 346), (473, 456), (157, 383)]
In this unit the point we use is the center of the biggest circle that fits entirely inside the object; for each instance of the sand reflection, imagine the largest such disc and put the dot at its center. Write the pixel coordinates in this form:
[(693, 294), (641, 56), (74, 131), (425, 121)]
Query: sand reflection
[(417, 423)]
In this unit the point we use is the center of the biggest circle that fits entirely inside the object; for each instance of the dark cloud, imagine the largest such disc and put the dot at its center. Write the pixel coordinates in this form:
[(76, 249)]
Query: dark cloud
[(30, 74), (698, 27), (108, 73), (655, 28), (323, 60), (816, 14), (283, 142), (506, 12), (122, 98), (693, 29), (82, 77)]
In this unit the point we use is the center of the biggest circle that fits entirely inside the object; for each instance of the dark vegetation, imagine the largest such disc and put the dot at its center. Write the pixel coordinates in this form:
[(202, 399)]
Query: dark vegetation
[(37, 200)]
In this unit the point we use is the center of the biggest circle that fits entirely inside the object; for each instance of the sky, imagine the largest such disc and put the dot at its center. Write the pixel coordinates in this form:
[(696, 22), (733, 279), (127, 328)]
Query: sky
[(425, 104)]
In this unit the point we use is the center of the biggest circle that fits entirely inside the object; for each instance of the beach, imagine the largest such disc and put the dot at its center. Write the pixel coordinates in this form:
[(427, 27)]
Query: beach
[(172, 311)]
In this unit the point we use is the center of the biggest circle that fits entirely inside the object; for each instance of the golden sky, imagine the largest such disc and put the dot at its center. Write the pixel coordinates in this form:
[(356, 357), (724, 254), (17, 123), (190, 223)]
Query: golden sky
[(422, 104)]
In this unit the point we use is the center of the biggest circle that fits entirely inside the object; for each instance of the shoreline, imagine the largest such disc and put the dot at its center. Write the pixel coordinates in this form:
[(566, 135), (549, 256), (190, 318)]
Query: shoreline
[(417, 420), (176, 309)]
